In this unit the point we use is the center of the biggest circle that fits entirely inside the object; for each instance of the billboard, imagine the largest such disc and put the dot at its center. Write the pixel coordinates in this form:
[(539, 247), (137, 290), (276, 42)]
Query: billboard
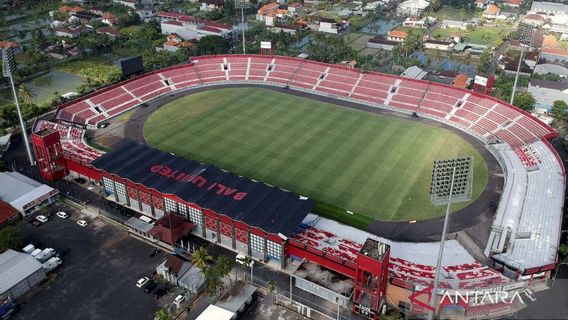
[(130, 66), (480, 80), (265, 45)]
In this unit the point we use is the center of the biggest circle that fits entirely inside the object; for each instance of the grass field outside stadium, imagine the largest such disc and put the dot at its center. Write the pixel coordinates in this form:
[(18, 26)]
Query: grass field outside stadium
[(375, 165)]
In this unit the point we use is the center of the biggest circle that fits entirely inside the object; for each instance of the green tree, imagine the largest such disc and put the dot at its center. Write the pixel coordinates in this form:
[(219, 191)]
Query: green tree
[(413, 42), (485, 59), (559, 111), (271, 286), (201, 258), (435, 5), (25, 93), (229, 8), (330, 49), (212, 45), (162, 315), (525, 101), (2, 164), (213, 283), (10, 238), (224, 266), (563, 249)]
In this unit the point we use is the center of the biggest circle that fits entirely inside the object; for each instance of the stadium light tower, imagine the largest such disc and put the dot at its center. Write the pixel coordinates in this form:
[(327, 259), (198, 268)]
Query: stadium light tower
[(242, 4), (8, 68), (451, 183)]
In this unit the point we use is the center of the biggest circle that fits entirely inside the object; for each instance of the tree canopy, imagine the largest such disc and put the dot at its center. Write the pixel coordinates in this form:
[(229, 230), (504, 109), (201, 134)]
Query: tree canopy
[(525, 101), (201, 258), (329, 49), (560, 111), (10, 238), (212, 45)]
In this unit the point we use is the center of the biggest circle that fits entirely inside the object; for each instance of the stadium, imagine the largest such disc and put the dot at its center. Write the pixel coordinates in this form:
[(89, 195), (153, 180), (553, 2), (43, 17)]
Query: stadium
[(295, 160)]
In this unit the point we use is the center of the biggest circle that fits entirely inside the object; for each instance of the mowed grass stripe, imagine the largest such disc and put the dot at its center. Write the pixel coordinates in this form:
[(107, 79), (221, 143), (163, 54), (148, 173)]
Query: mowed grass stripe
[(376, 165)]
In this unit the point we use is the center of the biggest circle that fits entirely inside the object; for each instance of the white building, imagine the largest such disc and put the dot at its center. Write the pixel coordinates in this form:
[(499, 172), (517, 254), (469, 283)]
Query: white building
[(196, 29), (19, 273), (24, 194), (556, 12), (412, 8)]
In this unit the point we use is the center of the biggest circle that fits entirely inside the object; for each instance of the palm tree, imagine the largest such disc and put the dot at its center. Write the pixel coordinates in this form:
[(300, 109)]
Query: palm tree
[(271, 285), (162, 315), (25, 93), (201, 258)]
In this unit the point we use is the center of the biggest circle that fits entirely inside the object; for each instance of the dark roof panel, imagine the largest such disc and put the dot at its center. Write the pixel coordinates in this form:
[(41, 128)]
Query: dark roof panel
[(257, 204)]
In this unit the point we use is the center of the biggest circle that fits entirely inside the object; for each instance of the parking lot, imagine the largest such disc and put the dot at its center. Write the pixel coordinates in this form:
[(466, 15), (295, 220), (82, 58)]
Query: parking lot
[(98, 275)]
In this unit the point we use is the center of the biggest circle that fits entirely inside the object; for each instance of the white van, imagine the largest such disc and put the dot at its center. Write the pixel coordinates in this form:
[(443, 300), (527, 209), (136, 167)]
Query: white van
[(29, 248)]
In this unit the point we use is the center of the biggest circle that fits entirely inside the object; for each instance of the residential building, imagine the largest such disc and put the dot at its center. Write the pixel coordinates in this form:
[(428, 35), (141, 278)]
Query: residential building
[(174, 43), (414, 72), (83, 17), (112, 33), (397, 35), (145, 14), (196, 29), (109, 19), (480, 4), (97, 10), (129, 3), (70, 10), (7, 213), (438, 45), (545, 92), (10, 44), (556, 12), (25, 194), (182, 273), (491, 12), (19, 273), (461, 81), (534, 19), (331, 26), (551, 52), (272, 12), (295, 8), (413, 8), (379, 42), (69, 32), (550, 68), (512, 3), (211, 5)]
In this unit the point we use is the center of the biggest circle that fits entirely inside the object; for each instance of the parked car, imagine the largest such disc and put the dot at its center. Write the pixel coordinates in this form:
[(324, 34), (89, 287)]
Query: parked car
[(62, 214), (41, 218), (82, 223), (159, 293), (142, 281), (179, 299), (150, 286)]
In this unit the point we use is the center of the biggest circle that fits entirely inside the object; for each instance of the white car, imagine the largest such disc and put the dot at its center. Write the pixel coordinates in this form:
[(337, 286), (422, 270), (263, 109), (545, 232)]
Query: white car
[(240, 258), (142, 281), (82, 223), (62, 215), (42, 219), (179, 299)]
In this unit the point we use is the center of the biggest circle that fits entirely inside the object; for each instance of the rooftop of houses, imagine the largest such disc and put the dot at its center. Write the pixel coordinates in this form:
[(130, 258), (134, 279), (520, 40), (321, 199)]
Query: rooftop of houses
[(109, 31), (398, 34), (548, 84), (492, 9), (460, 81), (8, 44)]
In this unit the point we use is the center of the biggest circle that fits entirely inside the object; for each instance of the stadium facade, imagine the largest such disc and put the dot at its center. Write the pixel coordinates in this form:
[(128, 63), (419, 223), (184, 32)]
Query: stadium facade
[(275, 225)]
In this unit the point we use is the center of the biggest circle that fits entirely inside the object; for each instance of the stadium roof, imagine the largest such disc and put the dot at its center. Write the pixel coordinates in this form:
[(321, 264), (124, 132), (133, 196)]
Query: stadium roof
[(257, 204)]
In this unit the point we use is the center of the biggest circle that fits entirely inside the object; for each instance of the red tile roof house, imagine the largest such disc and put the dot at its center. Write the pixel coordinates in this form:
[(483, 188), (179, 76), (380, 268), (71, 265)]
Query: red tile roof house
[(9, 44)]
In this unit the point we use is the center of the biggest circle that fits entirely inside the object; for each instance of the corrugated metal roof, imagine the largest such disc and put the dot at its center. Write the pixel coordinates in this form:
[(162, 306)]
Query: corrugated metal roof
[(269, 208), (15, 267)]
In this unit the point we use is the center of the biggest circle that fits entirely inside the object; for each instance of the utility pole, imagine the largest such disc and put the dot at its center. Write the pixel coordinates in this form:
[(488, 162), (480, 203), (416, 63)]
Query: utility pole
[(242, 4), (8, 68)]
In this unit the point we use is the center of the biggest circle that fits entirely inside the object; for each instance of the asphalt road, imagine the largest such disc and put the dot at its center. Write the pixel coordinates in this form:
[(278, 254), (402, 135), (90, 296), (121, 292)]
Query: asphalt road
[(97, 277)]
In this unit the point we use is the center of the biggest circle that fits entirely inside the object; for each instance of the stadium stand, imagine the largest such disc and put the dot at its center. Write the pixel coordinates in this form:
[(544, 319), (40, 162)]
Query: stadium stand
[(525, 231), (72, 141)]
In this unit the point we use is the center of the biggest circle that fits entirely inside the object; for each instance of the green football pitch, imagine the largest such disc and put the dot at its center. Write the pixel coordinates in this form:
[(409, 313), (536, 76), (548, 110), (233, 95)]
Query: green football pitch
[(375, 165)]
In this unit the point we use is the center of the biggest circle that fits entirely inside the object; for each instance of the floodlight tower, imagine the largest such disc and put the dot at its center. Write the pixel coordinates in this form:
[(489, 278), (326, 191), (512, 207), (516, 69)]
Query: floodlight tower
[(451, 183), (8, 68), (242, 4)]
